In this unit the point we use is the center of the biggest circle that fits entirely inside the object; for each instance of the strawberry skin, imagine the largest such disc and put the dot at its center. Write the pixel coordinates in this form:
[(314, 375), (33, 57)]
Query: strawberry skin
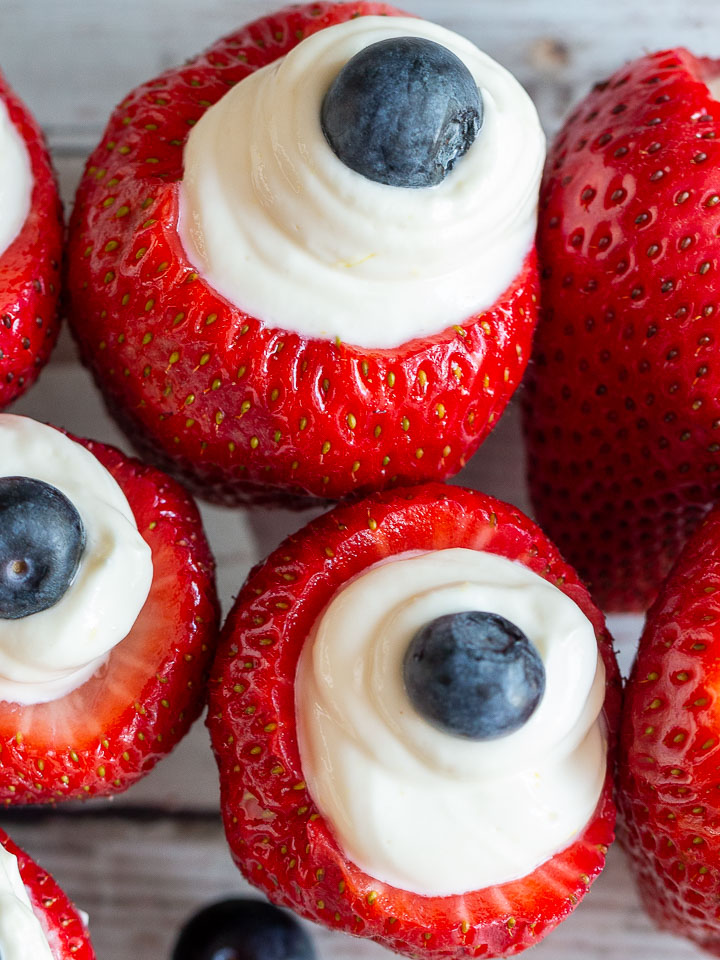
[(623, 399), (111, 731), (670, 745), (244, 412), (30, 267), (277, 836), (62, 924)]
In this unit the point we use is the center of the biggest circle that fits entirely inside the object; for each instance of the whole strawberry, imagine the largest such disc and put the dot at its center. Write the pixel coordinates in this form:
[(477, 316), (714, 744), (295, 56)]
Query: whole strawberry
[(668, 784), (623, 399), (38, 919), (240, 407), (30, 252), (93, 542), (327, 762)]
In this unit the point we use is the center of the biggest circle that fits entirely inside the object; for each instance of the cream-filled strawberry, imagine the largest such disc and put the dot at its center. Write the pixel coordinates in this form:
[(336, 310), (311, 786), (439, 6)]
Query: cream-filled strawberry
[(412, 707), (322, 280), (107, 615), (31, 236), (37, 920)]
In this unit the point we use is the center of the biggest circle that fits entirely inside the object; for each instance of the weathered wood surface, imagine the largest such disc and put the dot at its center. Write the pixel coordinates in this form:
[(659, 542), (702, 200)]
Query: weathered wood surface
[(72, 60), (139, 881)]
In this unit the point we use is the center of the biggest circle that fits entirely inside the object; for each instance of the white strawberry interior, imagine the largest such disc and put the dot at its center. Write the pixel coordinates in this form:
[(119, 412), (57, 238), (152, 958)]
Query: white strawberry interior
[(47, 655), (21, 933), (280, 227), (410, 804), (16, 180)]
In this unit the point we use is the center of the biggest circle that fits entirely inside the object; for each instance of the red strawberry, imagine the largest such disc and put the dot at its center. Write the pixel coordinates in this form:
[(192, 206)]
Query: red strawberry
[(670, 748), (29, 267), (245, 412), (109, 732), (623, 402), (277, 836), (63, 926)]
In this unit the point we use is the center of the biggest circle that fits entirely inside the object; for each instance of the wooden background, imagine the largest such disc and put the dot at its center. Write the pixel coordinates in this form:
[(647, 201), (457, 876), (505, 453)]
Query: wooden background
[(145, 861)]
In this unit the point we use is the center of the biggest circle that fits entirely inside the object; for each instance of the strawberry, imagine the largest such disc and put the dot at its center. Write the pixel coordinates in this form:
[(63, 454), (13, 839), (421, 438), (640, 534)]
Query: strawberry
[(29, 267), (277, 836), (61, 923), (242, 411), (623, 401), (668, 779), (108, 733)]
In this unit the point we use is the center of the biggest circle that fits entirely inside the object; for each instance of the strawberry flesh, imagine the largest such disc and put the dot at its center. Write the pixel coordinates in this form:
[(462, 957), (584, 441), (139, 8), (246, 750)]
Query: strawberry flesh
[(276, 834), (109, 732), (623, 398), (241, 411), (62, 924), (670, 745), (30, 267)]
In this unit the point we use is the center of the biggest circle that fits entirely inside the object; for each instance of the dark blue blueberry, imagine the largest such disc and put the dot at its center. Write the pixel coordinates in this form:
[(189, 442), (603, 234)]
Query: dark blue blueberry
[(42, 539), (402, 112), (474, 675), (243, 930)]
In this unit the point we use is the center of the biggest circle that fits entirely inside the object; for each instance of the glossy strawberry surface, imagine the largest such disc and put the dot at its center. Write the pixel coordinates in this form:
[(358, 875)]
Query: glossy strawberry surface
[(670, 748), (241, 411), (62, 924), (30, 267), (276, 834), (112, 730), (623, 399)]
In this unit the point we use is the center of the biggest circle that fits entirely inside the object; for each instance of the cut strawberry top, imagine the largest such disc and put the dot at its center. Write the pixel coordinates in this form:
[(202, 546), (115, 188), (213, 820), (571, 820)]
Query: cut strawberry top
[(277, 835), (111, 730), (245, 412), (62, 924), (623, 403), (30, 267)]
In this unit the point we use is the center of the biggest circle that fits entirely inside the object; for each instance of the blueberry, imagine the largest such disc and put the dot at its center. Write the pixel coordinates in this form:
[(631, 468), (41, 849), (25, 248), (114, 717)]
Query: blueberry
[(243, 930), (402, 112), (42, 539), (474, 675)]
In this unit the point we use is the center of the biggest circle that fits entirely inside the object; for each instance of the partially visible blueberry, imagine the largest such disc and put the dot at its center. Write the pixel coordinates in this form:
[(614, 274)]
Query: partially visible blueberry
[(402, 112), (243, 930), (42, 539), (474, 675)]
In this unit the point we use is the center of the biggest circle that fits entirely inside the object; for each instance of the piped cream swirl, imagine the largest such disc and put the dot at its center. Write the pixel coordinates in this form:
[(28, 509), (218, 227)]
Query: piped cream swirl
[(278, 225), (409, 804), (46, 655), (16, 180)]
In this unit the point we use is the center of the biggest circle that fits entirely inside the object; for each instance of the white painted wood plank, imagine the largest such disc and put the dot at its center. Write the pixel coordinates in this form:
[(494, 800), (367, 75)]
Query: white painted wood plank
[(74, 60), (140, 881)]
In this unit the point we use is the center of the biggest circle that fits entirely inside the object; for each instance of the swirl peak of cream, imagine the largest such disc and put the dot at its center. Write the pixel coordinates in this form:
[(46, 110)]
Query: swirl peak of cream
[(47, 655), (416, 807), (21, 933), (280, 227), (16, 180)]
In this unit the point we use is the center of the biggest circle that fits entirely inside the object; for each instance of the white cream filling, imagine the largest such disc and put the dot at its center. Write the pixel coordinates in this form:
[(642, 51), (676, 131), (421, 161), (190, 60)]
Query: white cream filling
[(16, 180), (21, 934), (279, 226), (46, 655), (409, 804)]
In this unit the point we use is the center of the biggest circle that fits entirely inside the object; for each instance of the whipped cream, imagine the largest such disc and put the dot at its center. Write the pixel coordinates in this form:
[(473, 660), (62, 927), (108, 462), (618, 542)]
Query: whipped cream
[(416, 807), (279, 226), (21, 934), (48, 654), (16, 180)]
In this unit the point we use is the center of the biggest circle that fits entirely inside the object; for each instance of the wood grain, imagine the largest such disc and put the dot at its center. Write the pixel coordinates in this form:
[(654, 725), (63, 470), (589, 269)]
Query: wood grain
[(74, 60), (140, 881)]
